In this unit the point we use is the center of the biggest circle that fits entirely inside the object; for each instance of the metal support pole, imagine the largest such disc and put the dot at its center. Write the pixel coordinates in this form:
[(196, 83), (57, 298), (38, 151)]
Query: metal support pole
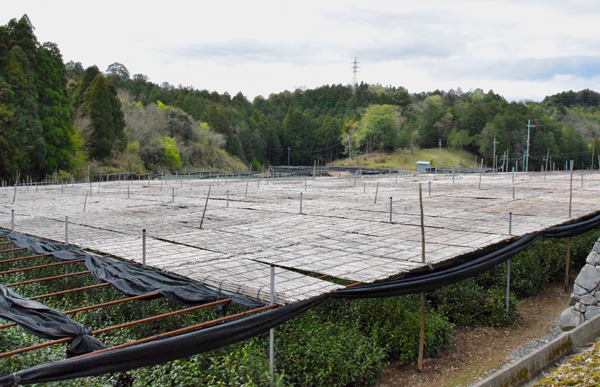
[(422, 317), (376, 192), (272, 333), (513, 191), (144, 248), (248, 181), (364, 187), (571, 189), (430, 188), (66, 230), (390, 210), (300, 203), (12, 222), (547, 158), (508, 266), (452, 175)]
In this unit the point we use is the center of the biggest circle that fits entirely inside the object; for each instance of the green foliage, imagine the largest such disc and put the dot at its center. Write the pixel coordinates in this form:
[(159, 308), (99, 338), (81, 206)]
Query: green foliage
[(100, 103), (255, 164), (36, 89), (469, 304), (172, 158), (35, 127), (379, 128), (316, 351)]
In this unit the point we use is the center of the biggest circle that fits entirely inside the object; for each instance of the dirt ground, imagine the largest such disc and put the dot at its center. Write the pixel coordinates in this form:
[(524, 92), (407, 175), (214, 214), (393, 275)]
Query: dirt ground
[(477, 351)]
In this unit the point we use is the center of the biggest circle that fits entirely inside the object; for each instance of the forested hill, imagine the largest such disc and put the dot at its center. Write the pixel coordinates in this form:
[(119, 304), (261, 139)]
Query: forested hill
[(67, 119)]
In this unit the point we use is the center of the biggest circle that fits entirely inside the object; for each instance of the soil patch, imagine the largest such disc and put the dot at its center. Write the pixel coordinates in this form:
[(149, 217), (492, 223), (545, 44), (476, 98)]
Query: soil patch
[(477, 352)]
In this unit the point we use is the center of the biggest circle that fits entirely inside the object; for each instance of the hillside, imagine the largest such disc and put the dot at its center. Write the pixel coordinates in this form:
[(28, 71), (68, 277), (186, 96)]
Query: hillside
[(408, 159), (67, 120)]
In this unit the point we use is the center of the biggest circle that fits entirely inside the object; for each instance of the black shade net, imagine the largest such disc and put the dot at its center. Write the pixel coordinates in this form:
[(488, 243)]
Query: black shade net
[(46, 323), (186, 345), (130, 279)]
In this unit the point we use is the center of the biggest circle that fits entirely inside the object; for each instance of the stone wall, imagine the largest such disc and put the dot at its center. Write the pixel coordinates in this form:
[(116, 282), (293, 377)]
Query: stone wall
[(585, 299)]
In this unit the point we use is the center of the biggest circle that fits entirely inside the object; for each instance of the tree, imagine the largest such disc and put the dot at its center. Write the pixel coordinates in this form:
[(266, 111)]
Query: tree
[(459, 139), (118, 71), (35, 130), (401, 97), (74, 70), (379, 128), (101, 104)]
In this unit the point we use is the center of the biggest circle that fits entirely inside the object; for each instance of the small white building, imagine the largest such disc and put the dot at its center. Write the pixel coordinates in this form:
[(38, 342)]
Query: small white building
[(423, 165)]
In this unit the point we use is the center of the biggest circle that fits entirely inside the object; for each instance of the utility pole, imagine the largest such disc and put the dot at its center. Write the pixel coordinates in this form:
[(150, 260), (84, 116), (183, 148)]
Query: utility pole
[(289, 148), (529, 126), (494, 161), (349, 150)]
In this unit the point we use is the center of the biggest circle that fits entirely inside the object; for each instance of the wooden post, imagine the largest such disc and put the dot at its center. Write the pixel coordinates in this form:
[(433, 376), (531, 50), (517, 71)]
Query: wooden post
[(568, 262), (567, 265), (480, 173), (205, 205), (422, 317)]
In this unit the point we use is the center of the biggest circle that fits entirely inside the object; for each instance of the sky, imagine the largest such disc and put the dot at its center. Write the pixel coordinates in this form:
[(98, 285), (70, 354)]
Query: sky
[(522, 50)]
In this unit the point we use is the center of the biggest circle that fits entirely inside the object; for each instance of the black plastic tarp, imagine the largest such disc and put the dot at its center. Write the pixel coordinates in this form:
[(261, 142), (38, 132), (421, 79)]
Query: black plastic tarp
[(46, 323)]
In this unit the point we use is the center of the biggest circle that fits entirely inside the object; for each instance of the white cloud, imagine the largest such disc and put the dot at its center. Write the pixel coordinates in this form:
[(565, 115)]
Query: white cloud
[(521, 49)]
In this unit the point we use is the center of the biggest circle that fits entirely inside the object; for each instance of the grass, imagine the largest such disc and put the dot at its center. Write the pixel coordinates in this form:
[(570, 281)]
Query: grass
[(408, 159)]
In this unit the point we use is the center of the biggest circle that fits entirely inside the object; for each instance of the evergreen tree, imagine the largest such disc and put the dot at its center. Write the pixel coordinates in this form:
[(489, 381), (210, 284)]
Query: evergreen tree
[(101, 104), (36, 127)]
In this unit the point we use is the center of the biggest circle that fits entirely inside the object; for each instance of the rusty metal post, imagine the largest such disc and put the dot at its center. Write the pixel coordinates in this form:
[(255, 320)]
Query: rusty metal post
[(422, 317), (272, 333)]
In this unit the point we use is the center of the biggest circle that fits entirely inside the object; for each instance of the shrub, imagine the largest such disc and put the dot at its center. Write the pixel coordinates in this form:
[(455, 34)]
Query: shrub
[(394, 324), (316, 351), (469, 304)]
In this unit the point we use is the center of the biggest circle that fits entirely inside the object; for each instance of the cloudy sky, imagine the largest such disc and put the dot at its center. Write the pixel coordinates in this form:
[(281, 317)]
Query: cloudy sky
[(521, 49)]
